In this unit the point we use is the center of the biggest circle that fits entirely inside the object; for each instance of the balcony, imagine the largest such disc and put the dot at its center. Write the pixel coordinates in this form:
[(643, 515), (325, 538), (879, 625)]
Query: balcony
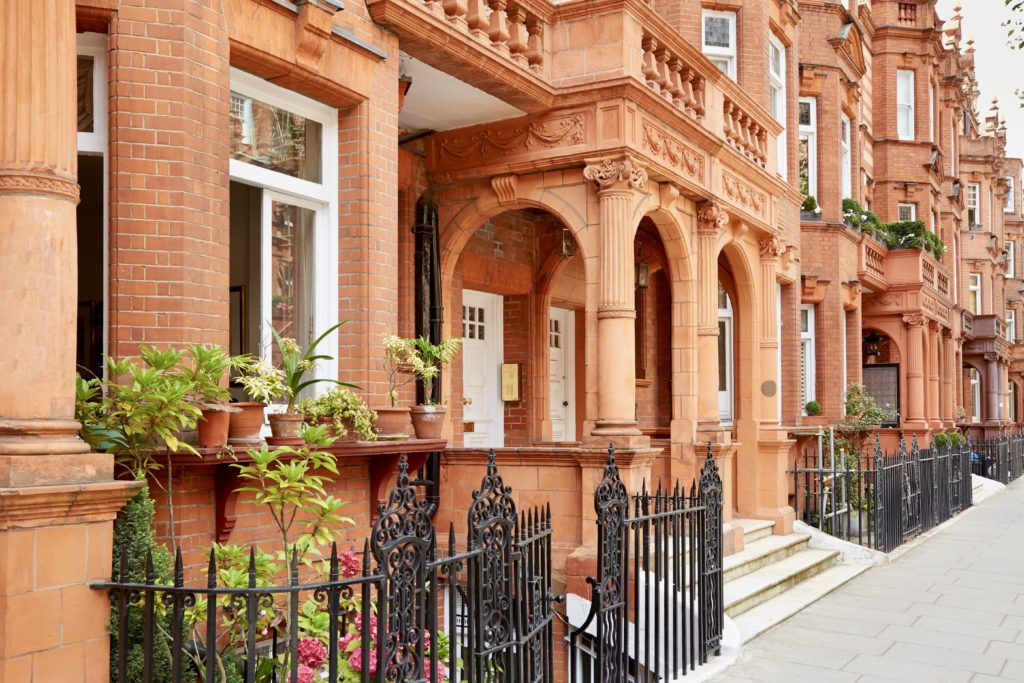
[(989, 327), (881, 270), (967, 324)]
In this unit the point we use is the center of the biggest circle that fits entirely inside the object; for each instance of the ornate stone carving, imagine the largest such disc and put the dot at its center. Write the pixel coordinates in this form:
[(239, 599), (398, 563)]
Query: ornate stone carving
[(563, 132), (771, 246), (742, 194), (506, 187), (611, 172), (33, 183), (914, 320), (675, 153), (711, 216)]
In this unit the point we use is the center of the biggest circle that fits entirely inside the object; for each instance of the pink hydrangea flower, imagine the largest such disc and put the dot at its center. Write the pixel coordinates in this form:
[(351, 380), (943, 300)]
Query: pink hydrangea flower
[(346, 640), (349, 564), (306, 675), (373, 623), (442, 672), (312, 652), (356, 660)]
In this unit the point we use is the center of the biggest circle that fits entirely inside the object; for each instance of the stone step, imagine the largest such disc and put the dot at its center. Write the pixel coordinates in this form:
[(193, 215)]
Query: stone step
[(762, 552), (758, 587), (759, 619), (754, 529)]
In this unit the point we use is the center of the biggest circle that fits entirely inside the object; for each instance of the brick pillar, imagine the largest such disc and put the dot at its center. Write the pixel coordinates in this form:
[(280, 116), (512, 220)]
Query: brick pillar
[(949, 373), (618, 182), (915, 371), (169, 137), (934, 411), (710, 219), (56, 500)]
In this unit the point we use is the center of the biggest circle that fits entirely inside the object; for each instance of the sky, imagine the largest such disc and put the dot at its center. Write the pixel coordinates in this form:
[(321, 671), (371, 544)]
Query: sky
[(998, 67)]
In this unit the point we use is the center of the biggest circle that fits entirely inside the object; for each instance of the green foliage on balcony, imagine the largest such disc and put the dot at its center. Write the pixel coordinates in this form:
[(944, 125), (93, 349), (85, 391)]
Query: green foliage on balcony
[(897, 235)]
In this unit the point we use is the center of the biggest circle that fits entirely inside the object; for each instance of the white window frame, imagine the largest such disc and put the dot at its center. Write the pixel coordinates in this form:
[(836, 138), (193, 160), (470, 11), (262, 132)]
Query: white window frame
[(974, 292), (1011, 399), (846, 156), (810, 132), (906, 205), (1011, 325), (717, 53), (320, 197), (904, 108), (931, 111), (974, 380), (96, 144), (777, 82), (1011, 258), (1008, 202), (973, 202), (809, 358), (727, 398)]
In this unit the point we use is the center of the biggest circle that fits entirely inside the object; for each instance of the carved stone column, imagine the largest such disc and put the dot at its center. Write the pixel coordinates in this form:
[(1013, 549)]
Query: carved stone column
[(771, 248), (618, 182), (57, 501), (949, 373), (914, 417), (710, 219), (933, 412), (992, 387)]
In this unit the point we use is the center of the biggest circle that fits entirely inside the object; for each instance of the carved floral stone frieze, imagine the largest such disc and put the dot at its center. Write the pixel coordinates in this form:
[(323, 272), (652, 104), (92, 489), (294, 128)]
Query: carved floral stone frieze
[(771, 246), (743, 194), (672, 151), (609, 173), (563, 132)]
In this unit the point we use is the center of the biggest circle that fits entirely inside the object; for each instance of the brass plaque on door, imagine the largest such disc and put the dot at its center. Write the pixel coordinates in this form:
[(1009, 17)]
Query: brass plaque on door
[(509, 381)]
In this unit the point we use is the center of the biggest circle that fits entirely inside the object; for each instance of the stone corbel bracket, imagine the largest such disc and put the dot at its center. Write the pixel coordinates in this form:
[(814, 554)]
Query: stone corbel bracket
[(313, 30)]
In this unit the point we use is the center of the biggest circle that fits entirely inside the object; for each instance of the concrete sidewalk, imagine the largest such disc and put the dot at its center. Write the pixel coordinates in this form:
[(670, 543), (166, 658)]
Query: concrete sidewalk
[(951, 609)]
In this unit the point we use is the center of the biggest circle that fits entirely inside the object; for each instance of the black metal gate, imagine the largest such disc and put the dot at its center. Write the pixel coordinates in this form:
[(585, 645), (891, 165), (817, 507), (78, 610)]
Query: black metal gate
[(656, 608)]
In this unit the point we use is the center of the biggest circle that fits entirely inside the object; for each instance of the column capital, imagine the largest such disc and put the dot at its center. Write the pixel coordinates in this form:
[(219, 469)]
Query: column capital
[(914, 320), (947, 334), (771, 247), (711, 216), (616, 174), (991, 357)]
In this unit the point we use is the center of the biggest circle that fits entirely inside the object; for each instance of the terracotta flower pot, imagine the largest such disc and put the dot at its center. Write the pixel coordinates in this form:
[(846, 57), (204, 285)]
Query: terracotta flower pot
[(350, 432), (285, 425), (213, 428), (393, 423), (245, 425), (428, 421)]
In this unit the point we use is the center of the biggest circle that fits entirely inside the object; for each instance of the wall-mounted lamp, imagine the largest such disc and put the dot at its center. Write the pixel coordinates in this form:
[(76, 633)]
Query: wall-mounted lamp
[(873, 344), (643, 271), (566, 244)]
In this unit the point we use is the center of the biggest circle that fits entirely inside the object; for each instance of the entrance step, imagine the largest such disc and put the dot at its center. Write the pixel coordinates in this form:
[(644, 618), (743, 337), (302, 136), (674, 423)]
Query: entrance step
[(761, 553), (757, 620), (750, 590), (754, 529)]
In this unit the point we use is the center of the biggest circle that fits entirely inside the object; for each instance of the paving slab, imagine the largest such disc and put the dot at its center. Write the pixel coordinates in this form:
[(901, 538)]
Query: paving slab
[(949, 610)]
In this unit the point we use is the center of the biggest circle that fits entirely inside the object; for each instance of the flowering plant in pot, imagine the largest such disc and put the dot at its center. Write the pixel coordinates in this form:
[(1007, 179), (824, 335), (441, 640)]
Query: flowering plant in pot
[(426, 360), (205, 373), (393, 420), (296, 364), (263, 383), (346, 413)]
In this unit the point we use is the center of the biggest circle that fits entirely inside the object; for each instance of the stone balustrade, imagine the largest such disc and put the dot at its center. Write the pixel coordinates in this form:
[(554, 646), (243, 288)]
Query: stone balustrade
[(744, 133), (673, 77), (510, 29), (873, 260)]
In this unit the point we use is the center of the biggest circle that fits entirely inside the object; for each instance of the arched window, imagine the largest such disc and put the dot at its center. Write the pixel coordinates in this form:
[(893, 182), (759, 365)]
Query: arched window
[(725, 356)]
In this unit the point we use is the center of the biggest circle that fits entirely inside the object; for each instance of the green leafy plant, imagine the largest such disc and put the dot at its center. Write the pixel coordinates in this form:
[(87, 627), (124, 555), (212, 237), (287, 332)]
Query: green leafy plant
[(205, 372), (296, 363), (813, 408), (913, 235), (940, 440), (344, 408), (261, 380), (426, 360), (957, 440), (138, 408), (810, 205), (863, 219), (862, 416), (396, 365)]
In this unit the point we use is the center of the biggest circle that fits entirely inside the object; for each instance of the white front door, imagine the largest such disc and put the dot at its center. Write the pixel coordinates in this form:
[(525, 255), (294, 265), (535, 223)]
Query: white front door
[(483, 412), (561, 345)]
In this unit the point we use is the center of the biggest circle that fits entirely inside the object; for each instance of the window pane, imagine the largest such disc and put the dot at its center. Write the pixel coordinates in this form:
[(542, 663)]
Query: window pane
[(805, 165), (275, 139), (805, 113), (85, 103), (723, 375), (716, 32), (291, 264), (776, 59)]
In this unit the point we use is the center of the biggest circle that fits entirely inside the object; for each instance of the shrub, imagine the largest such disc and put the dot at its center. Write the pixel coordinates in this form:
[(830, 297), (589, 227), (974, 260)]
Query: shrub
[(862, 219), (813, 408), (344, 408), (940, 440), (913, 235), (810, 205)]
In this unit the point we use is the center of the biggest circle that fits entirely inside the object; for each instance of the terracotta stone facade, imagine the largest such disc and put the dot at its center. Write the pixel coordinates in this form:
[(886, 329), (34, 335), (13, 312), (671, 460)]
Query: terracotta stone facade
[(604, 198)]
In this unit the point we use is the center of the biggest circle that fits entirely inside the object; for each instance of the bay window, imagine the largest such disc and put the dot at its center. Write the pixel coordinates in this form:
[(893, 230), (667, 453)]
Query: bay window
[(905, 104)]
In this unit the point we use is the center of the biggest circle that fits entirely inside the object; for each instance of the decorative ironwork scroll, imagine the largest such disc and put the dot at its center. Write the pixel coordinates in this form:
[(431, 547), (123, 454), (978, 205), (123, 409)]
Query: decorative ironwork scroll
[(709, 495), (611, 503)]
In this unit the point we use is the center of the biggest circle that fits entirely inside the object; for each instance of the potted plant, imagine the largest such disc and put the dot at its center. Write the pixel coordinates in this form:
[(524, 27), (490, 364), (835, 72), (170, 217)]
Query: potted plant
[(393, 421), (295, 364), (205, 375), (426, 360), (809, 209), (940, 440), (813, 408), (346, 413), (263, 383)]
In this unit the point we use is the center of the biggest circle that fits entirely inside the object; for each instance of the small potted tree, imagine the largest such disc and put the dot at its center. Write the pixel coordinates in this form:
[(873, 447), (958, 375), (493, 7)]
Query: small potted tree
[(426, 360), (263, 383), (347, 414), (393, 423), (295, 364), (205, 374)]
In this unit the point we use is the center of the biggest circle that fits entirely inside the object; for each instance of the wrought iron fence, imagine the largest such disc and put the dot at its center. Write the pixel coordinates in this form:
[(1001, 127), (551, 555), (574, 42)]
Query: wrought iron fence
[(656, 603), (883, 500), (406, 611), (999, 459)]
